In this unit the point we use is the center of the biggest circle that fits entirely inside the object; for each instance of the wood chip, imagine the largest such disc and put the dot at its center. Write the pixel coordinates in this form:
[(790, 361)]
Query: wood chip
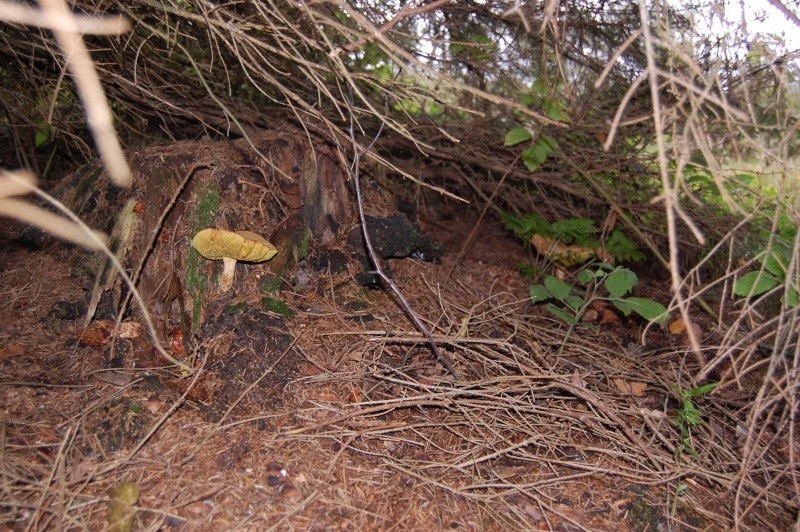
[(115, 378), (633, 388), (13, 350)]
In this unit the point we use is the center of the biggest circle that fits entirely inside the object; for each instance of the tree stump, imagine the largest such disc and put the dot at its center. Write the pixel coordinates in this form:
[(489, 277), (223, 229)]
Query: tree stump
[(294, 194)]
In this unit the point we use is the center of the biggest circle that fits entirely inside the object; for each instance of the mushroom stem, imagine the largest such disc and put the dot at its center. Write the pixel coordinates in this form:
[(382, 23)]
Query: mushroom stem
[(228, 271)]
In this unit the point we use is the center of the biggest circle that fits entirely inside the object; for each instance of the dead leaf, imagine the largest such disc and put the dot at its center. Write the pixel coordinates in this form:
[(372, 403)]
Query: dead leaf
[(356, 396), (611, 220), (681, 327), (327, 396), (568, 255), (601, 313), (577, 380), (153, 405), (505, 471), (531, 509), (115, 378), (292, 494), (82, 470), (677, 327), (560, 252), (633, 388), (637, 388), (310, 370), (176, 342), (13, 350), (590, 316), (649, 412)]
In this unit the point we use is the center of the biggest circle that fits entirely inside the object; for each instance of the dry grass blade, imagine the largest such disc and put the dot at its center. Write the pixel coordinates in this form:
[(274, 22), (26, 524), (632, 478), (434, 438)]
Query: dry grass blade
[(18, 183), (56, 15)]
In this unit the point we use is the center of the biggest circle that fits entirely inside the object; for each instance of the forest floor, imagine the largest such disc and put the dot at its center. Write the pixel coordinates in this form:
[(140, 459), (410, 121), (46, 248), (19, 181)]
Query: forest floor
[(348, 423)]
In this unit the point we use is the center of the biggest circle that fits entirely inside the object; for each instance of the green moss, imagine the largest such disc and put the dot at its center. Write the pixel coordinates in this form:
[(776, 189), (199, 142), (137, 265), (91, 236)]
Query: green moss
[(232, 310), (304, 245), (270, 284), (354, 306), (642, 515), (207, 206), (203, 216), (278, 307)]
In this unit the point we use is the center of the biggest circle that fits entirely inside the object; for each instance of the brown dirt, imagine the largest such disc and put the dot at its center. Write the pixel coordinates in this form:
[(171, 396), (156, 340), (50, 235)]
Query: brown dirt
[(337, 417)]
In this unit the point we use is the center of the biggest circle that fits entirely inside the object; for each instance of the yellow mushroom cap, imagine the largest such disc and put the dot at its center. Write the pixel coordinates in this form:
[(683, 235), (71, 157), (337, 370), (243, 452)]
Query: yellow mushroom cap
[(216, 244)]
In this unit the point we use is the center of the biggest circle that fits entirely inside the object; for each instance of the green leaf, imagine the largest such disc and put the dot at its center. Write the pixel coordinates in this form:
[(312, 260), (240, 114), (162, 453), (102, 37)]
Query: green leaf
[(620, 281), (623, 248), (546, 145), (792, 298), (530, 159), (554, 110), (526, 100), (700, 390), (690, 414), (517, 135), (537, 153), (585, 277), (539, 293), (526, 269), (774, 263), (575, 230), (754, 284), (647, 308), (540, 88), (525, 226), (747, 179), (40, 138), (554, 310), (623, 305), (559, 289), (574, 302)]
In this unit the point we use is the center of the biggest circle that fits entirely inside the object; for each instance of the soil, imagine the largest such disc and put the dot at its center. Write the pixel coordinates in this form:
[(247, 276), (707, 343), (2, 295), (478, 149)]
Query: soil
[(315, 404)]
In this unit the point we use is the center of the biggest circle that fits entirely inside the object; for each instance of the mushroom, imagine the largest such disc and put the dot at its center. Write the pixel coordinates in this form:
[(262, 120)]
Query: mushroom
[(216, 244)]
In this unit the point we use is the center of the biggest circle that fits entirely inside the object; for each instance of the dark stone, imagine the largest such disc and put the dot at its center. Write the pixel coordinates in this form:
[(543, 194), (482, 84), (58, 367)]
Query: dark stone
[(68, 310), (361, 318), (393, 237), (331, 260), (106, 309)]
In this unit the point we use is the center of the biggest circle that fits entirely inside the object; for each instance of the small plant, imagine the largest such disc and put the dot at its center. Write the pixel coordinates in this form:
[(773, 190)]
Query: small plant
[(774, 268), (689, 416), (580, 232), (680, 490), (570, 305)]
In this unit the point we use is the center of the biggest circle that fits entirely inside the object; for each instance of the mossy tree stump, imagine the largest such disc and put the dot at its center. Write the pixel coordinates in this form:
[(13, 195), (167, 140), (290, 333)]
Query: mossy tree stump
[(287, 190)]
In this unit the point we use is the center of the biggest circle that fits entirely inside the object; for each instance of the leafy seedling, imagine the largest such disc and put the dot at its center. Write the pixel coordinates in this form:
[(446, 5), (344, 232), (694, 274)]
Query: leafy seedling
[(689, 416), (576, 236), (773, 272), (565, 302)]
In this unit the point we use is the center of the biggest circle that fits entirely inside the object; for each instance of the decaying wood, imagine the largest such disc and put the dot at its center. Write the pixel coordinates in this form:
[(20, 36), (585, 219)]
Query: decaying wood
[(186, 186)]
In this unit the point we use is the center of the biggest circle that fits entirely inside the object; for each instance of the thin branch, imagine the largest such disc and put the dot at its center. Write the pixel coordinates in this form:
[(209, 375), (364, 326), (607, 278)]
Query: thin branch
[(354, 171)]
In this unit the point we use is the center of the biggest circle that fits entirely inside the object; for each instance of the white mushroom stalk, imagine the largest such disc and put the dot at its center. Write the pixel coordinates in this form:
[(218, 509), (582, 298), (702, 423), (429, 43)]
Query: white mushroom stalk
[(228, 272), (231, 247)]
